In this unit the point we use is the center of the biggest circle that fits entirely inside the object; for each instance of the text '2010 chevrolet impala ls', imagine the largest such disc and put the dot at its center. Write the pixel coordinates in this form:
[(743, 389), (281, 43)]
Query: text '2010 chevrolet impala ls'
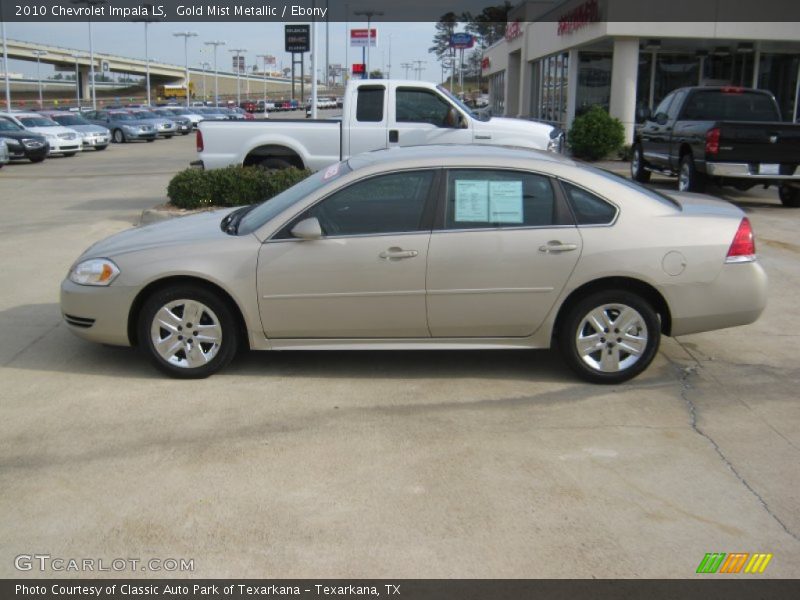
[(424, 248)]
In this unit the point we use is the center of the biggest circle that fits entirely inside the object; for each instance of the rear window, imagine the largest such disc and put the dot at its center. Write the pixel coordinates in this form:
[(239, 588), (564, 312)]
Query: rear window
[(717, 105), (369, 106)]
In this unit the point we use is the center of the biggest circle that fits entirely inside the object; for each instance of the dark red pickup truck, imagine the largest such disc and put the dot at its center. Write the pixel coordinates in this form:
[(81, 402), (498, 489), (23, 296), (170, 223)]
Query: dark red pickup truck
[(729, 135)]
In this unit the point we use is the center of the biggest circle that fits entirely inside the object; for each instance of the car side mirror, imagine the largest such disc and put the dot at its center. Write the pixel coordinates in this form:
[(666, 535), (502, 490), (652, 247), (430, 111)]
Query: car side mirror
[(307, 229), (452, 119), (661, 118)]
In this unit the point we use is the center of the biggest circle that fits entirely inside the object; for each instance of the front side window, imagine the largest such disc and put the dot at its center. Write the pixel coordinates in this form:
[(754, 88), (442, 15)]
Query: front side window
[(421, 106), (369, 105), (588, 208), (478, 198), (663, 106), (393, 203)]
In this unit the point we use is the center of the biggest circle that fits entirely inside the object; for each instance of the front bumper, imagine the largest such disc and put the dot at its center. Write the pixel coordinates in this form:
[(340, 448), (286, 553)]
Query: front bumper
[(141, 135), (98, 140), (97, 314), (751, 171), (60, 146), (25, 152)]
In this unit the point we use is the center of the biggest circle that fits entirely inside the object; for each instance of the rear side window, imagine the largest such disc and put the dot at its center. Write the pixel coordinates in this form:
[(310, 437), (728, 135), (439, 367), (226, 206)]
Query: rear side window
[(719, 105), (369, 106), (588, 208), (482, 198)]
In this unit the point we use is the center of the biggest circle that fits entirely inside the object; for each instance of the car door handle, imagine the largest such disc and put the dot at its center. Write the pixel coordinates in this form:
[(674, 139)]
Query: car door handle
[(397, 253), (554, 246), (482, 137), (394, 136)]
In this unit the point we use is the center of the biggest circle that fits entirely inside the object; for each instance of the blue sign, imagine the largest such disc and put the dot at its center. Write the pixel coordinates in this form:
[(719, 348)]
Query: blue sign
[(461, 41)]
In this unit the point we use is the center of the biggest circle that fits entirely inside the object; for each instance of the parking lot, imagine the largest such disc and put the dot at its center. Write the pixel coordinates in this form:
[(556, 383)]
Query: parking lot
[(380, 464)]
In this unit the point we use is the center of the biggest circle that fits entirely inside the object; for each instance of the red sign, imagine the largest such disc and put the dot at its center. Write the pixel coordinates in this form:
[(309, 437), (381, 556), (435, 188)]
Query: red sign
[(513, 30), (579, 17), (485, 64), (359, 68), (359, 38)]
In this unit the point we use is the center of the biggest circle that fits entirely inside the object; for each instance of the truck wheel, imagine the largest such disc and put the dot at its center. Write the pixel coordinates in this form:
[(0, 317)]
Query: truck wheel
[(638, 172), (275, 163), (789, 195), (689, 180)]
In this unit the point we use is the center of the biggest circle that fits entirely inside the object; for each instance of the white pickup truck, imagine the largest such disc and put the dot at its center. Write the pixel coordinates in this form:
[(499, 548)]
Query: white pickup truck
[(376, 114)]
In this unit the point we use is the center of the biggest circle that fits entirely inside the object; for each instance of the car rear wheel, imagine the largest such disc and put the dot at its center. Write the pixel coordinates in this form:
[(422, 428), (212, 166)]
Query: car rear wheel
[(274, 163), (68, 154), (118, 136), (98, 148), (638, 172), (789, 195), (609, 337), (188, 332), (36, 159), (151, 140), (689, 180)]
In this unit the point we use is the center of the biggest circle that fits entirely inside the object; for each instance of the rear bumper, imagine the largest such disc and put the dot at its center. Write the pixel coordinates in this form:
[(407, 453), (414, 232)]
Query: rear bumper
[(748, 171), (197, 164), (736, 297)]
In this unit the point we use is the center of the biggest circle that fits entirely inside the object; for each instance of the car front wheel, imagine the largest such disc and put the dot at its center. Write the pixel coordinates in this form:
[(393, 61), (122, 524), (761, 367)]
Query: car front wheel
[(188, 332), (638, 172), (609, 337), (118, 136)]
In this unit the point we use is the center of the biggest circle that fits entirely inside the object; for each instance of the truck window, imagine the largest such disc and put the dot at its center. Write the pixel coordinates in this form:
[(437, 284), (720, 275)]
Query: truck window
[(369, 106), (677, 102), (736, 105), (663, 106), (421, 106)]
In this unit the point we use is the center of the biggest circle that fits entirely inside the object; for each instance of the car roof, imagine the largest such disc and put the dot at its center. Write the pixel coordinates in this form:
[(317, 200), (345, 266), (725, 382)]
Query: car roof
[(447, 154)]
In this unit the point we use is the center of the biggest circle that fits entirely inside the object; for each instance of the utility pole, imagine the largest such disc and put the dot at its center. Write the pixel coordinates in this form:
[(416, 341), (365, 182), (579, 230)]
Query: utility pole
[(5, 65), (264, 57), (205, 66), (216, 43), (147, 21), (185, 35), (369, 14), (407, 67), (39, 54), (237, 52), (418, 68)]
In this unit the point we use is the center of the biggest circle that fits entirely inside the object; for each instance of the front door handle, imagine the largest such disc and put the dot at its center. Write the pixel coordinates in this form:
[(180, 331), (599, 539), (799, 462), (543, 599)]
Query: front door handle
[(394, 136), (554, 247), (397, 253)]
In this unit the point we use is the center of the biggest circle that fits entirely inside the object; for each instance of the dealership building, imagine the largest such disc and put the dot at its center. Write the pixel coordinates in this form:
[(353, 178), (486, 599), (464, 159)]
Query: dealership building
[(560, 58)]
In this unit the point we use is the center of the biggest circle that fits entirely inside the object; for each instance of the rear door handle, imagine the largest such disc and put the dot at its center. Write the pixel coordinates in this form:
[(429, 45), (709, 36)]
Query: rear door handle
[(397, 253), (554, 247)]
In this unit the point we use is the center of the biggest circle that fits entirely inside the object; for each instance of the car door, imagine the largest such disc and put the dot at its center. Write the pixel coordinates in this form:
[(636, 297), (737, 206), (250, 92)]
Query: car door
[(500, 255), (655, 137), (367, 120), (673, 137), (365, 277), (421, 116)]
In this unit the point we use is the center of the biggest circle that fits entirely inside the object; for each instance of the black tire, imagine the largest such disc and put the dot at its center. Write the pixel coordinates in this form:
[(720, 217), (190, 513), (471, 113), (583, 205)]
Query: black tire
[(275, 163), (69, 154), (574, 323), (37, 159), (148, 140), (118, 136), (215, 310), (689, 180), (638, 172), (167, 137), (99, 148), (789, 195)]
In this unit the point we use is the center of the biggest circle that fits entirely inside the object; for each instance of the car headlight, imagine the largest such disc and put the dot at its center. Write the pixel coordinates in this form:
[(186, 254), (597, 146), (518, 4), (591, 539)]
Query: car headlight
[(556, 142), (29, 143), (12, 143), (130, 129), (95, 271)]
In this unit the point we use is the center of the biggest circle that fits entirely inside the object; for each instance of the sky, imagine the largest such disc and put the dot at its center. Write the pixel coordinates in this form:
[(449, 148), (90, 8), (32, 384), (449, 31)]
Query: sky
[(409, 42)]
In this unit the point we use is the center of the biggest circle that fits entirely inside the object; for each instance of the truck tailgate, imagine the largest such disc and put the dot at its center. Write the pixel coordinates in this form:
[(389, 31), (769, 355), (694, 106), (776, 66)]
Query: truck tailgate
[(759, 142)]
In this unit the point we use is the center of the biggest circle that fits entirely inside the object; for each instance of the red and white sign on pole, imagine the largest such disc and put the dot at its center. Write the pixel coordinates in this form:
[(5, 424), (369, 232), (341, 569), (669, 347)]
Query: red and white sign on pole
[(359, 38)]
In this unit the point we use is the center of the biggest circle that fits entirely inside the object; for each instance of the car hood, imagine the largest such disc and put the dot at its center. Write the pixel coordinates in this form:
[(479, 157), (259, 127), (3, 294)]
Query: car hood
[(20, 135), (172, 232), (512, 127), (51, 130), (90, 129)]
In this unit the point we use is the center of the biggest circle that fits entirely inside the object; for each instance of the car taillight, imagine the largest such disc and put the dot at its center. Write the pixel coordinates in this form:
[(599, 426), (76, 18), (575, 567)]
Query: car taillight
[(712, 141), (743, 247), (199, 140)]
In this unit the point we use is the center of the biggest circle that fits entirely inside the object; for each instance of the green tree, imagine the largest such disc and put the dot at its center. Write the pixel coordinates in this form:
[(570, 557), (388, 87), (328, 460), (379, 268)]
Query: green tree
[(441, 39), (376, 74), (489, 25)]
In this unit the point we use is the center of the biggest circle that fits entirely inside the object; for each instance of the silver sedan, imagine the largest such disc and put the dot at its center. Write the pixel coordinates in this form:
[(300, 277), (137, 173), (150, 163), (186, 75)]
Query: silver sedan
[(423, 248)]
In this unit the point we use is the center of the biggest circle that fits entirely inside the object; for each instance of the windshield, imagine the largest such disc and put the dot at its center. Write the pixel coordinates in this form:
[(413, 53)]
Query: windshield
[(70, 120), (460, 104), (123, 117), (272, 207), (6, 125), (143, 114), (37, 122)]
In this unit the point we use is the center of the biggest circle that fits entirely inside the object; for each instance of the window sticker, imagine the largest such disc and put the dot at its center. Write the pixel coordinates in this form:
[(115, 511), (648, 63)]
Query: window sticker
[(505, 202), (331, 171), (472, 201)]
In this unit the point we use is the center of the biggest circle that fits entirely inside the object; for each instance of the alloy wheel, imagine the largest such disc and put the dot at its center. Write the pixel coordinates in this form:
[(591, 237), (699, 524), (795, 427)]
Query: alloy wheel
[(186, 333), (611, 338)]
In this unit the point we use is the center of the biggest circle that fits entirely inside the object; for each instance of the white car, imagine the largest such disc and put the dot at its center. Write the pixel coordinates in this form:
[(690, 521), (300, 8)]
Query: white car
[(62, 140), (4, 155)]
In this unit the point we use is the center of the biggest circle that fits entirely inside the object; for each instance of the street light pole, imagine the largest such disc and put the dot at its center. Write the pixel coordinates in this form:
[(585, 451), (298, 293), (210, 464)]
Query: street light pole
[(265, 57), (237, 52), (369, 14), (205, 66), (5, 65), (90, 4), (186, 35), (77, 81), (39, 54), (215, 43)]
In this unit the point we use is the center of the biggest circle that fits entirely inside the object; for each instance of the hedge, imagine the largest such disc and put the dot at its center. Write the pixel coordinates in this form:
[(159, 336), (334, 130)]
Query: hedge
[(595, 134), (232, 186)]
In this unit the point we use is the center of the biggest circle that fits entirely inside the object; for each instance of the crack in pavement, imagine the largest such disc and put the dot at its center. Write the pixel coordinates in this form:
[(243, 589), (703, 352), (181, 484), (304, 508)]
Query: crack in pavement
[(687, 372)]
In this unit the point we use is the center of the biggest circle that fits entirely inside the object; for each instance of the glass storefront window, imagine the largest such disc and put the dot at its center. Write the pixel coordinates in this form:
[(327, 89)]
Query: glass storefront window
[(497, 93), (594, 81), (549, 89), (778, 74), (674, 71)]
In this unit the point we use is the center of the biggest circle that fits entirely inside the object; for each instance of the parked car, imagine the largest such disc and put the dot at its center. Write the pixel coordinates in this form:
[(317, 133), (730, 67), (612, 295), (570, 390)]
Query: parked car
[(451, 247), (249, 106), (22, 143), (5, 157), (164, 127), (124, 126), (241, 114), (190, 113), (93, 136), (377, 114), (211, 113), (61, 140), (727, 135), (183, 124), (269, 106)]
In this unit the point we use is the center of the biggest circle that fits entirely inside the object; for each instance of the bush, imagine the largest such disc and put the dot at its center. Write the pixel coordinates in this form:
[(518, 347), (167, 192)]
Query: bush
[(595, 134), (625, 153), (232, 186)]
